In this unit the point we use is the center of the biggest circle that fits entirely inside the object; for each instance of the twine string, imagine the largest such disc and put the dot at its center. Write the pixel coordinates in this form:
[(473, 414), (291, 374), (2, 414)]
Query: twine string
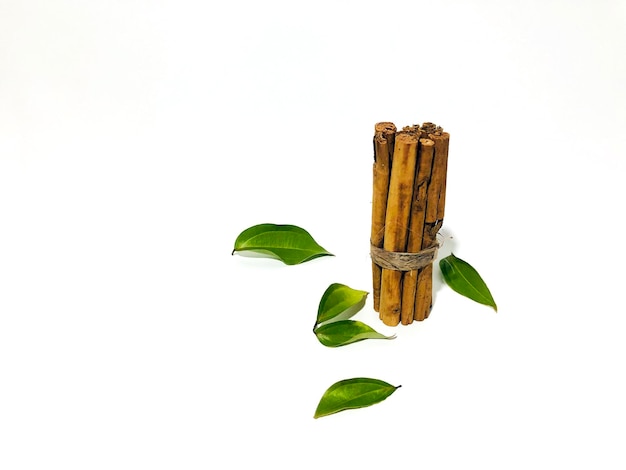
[(402, 261)]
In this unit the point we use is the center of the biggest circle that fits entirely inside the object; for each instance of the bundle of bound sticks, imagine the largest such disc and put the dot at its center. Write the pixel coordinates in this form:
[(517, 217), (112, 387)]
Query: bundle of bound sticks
[(408, 203)]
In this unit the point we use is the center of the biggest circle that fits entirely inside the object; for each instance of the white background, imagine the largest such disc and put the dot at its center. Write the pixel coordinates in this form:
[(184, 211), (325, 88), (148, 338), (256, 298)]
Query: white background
[(138, 138)]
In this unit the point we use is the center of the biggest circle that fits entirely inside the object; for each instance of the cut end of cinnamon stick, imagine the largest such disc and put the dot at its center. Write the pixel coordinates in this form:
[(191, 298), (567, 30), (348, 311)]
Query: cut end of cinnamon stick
[(406, 137), (431, 128), (385, 127)]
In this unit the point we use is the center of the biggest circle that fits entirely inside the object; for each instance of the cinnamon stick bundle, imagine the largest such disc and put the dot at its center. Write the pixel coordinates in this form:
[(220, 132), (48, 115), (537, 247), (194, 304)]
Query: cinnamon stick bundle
[(408, 203)]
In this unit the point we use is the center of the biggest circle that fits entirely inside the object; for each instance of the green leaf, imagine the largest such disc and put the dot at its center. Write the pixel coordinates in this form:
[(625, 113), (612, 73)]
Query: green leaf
[(340, 333), (287, 243), (340, 302), (353, 393), (465, 280)]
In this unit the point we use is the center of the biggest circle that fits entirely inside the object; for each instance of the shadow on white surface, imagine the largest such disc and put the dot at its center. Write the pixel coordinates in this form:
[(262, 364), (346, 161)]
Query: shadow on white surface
[(447, 245)]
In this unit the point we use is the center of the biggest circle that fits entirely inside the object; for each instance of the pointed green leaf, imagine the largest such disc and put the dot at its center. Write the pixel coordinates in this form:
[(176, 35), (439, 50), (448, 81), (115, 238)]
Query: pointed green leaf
[(287, 243), (465, 280), (340, 333), (340, 301), (353, 393)]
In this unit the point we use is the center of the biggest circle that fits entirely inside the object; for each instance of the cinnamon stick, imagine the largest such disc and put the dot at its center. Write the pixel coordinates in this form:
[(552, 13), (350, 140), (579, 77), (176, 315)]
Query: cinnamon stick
[(433, 219), (397, 221), (384, 138), (410, 279)]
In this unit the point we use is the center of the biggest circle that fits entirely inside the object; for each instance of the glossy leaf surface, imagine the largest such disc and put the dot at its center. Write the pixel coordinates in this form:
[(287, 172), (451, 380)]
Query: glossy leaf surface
[(353, 393), (340, 302), (344, 332), (287, 243), (465, 280)]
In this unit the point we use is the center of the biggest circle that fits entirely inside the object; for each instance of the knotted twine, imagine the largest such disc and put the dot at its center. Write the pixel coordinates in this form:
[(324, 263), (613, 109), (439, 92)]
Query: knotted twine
[(402, 261)]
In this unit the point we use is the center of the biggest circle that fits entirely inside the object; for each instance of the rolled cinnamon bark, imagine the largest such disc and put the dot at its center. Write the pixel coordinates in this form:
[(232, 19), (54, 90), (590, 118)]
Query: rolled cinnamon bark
[(397, 222), (384, 138), (416, 228), (435, 207)]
